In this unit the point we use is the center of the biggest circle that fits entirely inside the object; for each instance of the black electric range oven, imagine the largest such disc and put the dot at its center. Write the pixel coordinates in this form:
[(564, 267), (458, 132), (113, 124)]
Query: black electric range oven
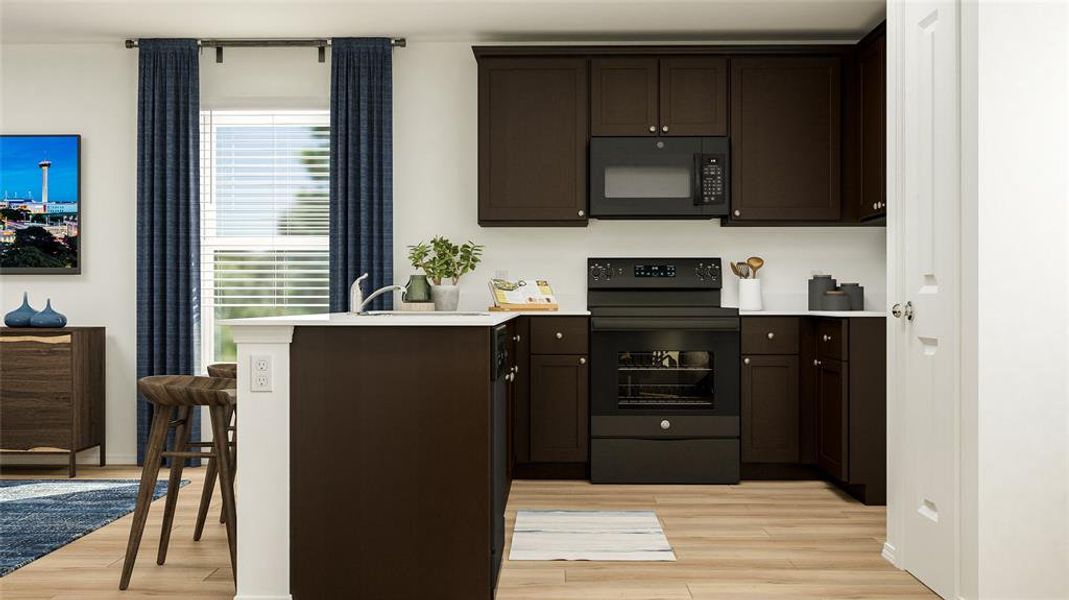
[(664, 376)]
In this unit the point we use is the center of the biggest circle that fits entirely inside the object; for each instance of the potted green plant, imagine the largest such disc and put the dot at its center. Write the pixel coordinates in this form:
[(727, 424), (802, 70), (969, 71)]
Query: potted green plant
[(444, 263)]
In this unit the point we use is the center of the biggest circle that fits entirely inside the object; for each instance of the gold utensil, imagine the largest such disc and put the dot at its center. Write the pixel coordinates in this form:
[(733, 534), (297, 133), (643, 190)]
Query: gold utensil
[(735, 270), (755, 262)]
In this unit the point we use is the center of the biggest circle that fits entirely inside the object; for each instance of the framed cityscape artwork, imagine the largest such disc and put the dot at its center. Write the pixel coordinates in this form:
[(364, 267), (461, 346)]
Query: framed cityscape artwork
[(40, 204)]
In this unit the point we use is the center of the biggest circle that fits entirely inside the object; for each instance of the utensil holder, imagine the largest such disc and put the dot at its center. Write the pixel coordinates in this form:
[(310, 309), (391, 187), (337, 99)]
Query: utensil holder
[(750, 294)]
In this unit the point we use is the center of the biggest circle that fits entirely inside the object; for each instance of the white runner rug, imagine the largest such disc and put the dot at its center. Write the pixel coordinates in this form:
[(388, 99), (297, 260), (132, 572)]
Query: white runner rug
[(589, 535)]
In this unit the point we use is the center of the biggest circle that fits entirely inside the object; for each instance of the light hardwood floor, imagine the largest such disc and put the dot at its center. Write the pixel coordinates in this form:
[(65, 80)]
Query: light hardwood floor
[(755, 540)]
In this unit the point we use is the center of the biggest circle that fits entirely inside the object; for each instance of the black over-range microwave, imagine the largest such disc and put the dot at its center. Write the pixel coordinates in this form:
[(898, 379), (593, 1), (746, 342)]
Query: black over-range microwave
[(659, 177)]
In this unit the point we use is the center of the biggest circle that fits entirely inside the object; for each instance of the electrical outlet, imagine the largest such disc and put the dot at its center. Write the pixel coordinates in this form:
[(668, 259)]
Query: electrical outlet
[(261, 373)]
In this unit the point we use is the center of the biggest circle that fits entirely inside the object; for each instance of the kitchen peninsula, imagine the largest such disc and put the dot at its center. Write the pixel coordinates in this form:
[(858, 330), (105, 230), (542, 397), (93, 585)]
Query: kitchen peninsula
[(373, 457)]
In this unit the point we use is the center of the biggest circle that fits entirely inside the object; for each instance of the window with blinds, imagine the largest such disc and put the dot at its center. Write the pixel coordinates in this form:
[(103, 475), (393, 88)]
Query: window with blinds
[(264, 219)]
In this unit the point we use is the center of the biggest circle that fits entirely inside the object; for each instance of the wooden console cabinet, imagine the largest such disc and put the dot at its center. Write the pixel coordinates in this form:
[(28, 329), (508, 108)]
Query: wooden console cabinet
[(52, 391)]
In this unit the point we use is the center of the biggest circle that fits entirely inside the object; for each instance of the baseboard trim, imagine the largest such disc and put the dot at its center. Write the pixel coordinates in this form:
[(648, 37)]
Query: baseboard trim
[(888, 554)]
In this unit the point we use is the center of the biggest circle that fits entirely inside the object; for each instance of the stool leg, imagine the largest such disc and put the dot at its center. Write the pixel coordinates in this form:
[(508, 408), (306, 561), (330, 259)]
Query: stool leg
[(226, 481), (205, 498), (161, 421), (231, 413), (181, 442)]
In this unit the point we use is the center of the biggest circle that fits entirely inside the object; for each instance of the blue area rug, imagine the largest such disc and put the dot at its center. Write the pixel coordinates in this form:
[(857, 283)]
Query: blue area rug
[(38, 516)]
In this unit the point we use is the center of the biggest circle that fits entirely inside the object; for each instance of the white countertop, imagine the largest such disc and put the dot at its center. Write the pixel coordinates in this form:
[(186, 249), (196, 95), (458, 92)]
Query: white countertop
[(398, 319), (810, 313)]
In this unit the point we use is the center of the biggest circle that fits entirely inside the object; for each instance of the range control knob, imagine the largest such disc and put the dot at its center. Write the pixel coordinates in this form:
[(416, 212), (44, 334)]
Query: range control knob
[(706, 272), (599, 272)]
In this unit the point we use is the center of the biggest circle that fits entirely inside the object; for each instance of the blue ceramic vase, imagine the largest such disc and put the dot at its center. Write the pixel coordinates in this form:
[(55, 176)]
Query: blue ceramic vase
[(20, 317), (48, 317)]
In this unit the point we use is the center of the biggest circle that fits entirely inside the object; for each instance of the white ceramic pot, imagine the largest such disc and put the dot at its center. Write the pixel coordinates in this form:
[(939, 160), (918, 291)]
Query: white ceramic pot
[(750, 294), (445, 296)]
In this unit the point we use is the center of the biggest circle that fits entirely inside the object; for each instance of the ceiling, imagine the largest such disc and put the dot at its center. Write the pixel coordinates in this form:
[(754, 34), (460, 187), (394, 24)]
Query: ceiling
[(79, 21)]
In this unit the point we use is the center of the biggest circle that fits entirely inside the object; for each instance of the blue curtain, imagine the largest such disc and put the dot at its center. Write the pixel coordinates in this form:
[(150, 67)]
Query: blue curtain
[(361, 167), (168, 217)]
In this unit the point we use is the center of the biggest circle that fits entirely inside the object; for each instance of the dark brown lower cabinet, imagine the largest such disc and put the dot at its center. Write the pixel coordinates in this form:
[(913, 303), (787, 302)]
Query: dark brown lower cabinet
[(560, 430), (833, 417), (770, 402), (52, 391)]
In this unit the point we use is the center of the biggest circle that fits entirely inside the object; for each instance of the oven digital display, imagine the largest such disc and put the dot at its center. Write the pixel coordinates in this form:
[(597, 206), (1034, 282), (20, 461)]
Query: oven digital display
[(655, 270)]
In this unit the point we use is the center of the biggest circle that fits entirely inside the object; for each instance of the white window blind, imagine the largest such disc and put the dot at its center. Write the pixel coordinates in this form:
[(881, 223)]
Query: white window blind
[(264, 219)]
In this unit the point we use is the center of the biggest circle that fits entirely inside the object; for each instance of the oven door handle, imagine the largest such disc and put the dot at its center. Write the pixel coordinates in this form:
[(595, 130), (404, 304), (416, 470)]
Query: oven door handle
[(647, 323)]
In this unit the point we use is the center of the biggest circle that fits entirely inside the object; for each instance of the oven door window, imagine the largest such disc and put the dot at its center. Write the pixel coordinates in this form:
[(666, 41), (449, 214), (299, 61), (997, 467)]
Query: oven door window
[(665, 379)]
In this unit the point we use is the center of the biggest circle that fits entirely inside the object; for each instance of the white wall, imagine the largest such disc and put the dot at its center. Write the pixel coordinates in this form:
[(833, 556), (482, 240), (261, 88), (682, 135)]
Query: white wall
[(435, 190), (1022, 335), (91, 90)]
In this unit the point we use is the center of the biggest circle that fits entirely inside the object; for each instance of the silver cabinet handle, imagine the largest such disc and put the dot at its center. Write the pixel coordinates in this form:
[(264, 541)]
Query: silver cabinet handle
[(653, 129), (875, 205), (816, 362), (510, 377), (665, 424), (560, 336), (515, 368), (771, 335), (746, 361), (826, 337), (582, 360), (516, 338), (737, 212), (664, 128), (581, 213)]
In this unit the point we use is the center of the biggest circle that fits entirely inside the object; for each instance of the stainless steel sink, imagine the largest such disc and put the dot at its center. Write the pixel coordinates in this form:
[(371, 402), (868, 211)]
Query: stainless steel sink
[(415, 313)]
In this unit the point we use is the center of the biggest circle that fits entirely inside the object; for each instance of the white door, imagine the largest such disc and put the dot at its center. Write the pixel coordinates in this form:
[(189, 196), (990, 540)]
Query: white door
[(926, 211)]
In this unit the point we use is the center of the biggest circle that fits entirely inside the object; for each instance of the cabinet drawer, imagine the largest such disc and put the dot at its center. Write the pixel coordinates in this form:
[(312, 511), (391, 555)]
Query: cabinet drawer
[(769, 335), (831, 338), (559, 335)]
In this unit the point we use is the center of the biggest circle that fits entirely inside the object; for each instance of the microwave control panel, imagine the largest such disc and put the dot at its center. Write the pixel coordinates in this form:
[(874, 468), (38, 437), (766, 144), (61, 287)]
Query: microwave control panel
[(711, 176)]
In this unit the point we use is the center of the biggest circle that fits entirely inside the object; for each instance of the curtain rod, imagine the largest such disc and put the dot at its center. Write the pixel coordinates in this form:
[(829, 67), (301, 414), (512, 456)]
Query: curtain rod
[(270, 42), (220, 43)]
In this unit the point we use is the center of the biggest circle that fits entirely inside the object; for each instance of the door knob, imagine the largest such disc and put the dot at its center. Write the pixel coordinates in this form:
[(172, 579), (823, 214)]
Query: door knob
[(746, 361), (664, 128), (581, 213), (899, 311), (826, 337), (816, 362), (653, 129), (665, 424), (582, 360), (737, 213), (560, 336), (771, 335)]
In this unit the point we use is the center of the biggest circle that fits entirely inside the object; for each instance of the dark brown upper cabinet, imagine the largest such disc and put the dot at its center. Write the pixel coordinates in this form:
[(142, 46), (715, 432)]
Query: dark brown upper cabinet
[(770, 403), (623, 96), (679, 95), (872, 128), (533, 132), (786, 138), (694, 95)]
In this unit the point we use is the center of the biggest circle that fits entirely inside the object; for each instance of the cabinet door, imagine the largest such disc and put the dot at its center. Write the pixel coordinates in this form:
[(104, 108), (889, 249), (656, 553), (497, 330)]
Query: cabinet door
[(521, 392), (872, 89), (694, 96), (36, 385), (832, 417), (559, 415), (532, 141), (770, 409), (623, 96), (785, 138)]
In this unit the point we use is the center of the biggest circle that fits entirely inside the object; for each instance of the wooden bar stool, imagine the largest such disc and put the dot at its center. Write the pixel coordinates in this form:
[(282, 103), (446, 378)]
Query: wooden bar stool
[(225, 371), (170, 394)]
